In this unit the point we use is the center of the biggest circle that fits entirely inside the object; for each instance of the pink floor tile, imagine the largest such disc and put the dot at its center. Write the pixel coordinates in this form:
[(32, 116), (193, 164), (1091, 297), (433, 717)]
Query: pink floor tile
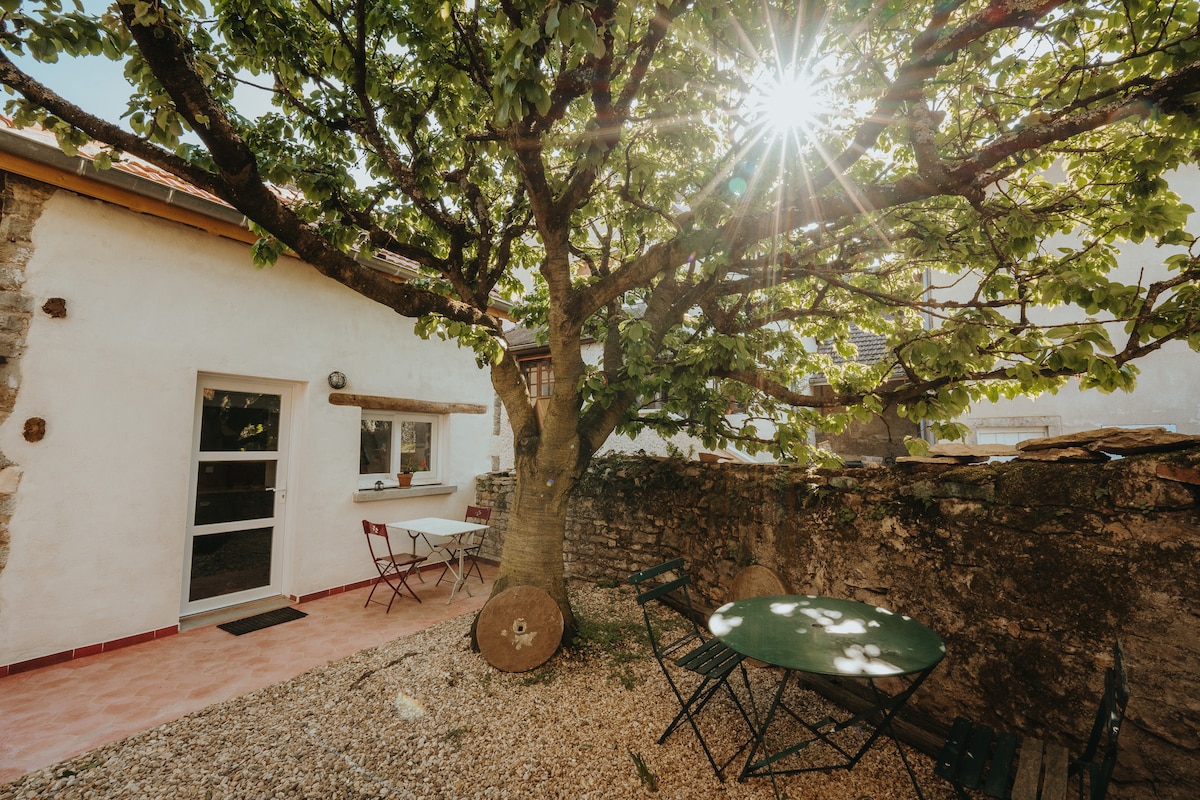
[(58, 711)]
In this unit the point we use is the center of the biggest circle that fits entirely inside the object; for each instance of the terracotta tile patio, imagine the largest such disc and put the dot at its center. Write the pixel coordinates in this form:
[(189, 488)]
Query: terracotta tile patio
[(56, 712)]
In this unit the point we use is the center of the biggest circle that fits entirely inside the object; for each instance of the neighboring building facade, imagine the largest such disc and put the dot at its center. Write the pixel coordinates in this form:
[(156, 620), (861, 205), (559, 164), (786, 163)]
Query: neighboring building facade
[(538, 369), (1167, 396), (882, 438), (1167, 393), (170, 444), (1168, 384)]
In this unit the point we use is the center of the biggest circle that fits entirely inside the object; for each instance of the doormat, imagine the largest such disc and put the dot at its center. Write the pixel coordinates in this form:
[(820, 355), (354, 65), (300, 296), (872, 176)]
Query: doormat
[(259, 621)]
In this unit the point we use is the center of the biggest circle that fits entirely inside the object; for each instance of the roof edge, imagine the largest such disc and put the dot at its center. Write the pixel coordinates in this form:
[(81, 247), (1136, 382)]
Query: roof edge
[(18, 153)]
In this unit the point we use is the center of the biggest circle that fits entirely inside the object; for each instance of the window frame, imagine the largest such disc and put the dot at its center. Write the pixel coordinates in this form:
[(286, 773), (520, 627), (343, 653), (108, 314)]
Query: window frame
[(429, 477), (538, 372)]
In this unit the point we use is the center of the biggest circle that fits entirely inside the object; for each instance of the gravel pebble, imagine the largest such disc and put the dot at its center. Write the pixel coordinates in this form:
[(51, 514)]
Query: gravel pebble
[(425, 718)]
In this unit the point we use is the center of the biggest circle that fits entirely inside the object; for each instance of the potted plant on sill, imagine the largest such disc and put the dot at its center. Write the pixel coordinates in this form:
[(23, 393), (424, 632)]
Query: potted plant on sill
[(405, 476)]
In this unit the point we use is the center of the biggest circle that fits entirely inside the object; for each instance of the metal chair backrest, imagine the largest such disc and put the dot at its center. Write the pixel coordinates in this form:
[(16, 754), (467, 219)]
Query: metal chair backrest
[(693, 656), (394, 568), (478, 514), (1107, 726), (378, 529), (481, 516), (671, 592)]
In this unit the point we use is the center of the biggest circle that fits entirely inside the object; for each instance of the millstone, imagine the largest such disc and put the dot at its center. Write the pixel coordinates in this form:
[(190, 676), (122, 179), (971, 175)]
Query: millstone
[(756, 581), (519, 629)]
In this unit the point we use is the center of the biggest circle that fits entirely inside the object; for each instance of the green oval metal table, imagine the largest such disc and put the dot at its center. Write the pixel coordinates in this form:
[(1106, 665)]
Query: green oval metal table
[(831, 637)]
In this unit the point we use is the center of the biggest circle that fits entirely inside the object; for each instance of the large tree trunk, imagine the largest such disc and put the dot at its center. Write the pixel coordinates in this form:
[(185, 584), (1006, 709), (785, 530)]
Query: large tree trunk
[(550, 458), (533, 544)]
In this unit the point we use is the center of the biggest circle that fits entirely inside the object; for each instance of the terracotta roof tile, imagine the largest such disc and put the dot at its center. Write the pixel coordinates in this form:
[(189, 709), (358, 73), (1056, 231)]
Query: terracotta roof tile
[(128, 163)]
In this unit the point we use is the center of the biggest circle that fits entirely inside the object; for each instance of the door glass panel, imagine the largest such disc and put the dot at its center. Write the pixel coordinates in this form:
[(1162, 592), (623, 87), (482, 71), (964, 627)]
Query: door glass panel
[(227, 491), (224, 563), (234, 422)]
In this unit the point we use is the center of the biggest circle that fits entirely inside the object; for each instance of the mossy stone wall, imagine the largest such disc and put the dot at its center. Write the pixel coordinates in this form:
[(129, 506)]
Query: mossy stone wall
[(1028, 571)]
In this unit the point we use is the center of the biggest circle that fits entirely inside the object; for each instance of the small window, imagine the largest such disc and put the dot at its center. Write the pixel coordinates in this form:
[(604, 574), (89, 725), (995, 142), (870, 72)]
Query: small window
[(539, 375), (652, 402), (390, 443)]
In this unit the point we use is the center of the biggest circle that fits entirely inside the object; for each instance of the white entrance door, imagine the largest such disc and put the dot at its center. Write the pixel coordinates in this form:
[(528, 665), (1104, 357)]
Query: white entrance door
[(239, 468)]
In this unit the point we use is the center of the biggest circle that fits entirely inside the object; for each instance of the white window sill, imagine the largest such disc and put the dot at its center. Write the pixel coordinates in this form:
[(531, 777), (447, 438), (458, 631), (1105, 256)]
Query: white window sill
[(396, 493)]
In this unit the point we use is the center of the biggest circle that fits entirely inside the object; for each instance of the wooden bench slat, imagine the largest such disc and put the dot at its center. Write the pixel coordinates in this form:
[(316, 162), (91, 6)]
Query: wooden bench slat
[(996, 784), (1029, 768), (1043, 771), (975, 758), (1054, 785)]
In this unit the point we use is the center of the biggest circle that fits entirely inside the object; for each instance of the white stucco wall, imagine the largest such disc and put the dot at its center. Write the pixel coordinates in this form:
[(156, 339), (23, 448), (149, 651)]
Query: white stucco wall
[(99, 527), (1167, 394)]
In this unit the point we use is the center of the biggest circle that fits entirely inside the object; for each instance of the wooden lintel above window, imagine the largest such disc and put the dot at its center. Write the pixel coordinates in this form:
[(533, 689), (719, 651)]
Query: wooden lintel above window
[(375, 403)]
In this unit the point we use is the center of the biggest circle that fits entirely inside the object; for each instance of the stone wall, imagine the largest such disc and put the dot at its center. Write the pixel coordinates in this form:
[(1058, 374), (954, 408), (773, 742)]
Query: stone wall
[(21, 203), (1027, 570)]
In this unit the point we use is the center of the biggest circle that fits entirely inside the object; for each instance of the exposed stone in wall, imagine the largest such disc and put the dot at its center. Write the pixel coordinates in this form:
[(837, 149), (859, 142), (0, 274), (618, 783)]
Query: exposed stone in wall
[(21, 204), (1028, 570), (495, 491)]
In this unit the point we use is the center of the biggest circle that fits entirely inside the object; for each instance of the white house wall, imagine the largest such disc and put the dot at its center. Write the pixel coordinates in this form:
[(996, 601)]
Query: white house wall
[(1167, 394), (98, 532), (1168, 384)]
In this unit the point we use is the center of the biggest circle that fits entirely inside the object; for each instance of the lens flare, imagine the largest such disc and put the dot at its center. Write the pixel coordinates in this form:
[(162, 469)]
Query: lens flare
[(788, 102)]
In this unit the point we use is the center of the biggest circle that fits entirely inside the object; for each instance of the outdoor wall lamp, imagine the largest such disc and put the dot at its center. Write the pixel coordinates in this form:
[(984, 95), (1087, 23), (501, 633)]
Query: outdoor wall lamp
[(337, 380)]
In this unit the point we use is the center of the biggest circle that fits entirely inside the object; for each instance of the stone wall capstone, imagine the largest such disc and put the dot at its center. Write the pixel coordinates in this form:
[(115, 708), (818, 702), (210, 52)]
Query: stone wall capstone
[(1027, 570)]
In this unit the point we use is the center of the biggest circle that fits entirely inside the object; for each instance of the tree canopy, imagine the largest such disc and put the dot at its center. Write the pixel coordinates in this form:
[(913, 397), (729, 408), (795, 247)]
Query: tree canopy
[(633, 156), (704, 189)]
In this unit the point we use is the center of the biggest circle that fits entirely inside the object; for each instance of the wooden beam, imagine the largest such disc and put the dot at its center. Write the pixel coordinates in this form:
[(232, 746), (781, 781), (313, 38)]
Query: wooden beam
[(376, 403)]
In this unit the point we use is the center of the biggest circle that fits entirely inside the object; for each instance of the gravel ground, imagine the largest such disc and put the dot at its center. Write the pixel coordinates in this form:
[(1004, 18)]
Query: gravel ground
[(424, 717)]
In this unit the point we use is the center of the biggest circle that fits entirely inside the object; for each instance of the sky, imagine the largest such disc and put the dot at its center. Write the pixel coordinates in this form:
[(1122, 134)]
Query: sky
[(98, 85), (95, 84)]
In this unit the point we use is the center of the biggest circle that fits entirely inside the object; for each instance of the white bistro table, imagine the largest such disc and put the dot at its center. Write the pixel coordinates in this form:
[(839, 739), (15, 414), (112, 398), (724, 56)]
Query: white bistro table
[(444, 537)]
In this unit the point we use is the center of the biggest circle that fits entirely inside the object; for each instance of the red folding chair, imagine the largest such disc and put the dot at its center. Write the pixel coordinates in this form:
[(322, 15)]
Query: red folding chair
[(472, 545), (394, 568)]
